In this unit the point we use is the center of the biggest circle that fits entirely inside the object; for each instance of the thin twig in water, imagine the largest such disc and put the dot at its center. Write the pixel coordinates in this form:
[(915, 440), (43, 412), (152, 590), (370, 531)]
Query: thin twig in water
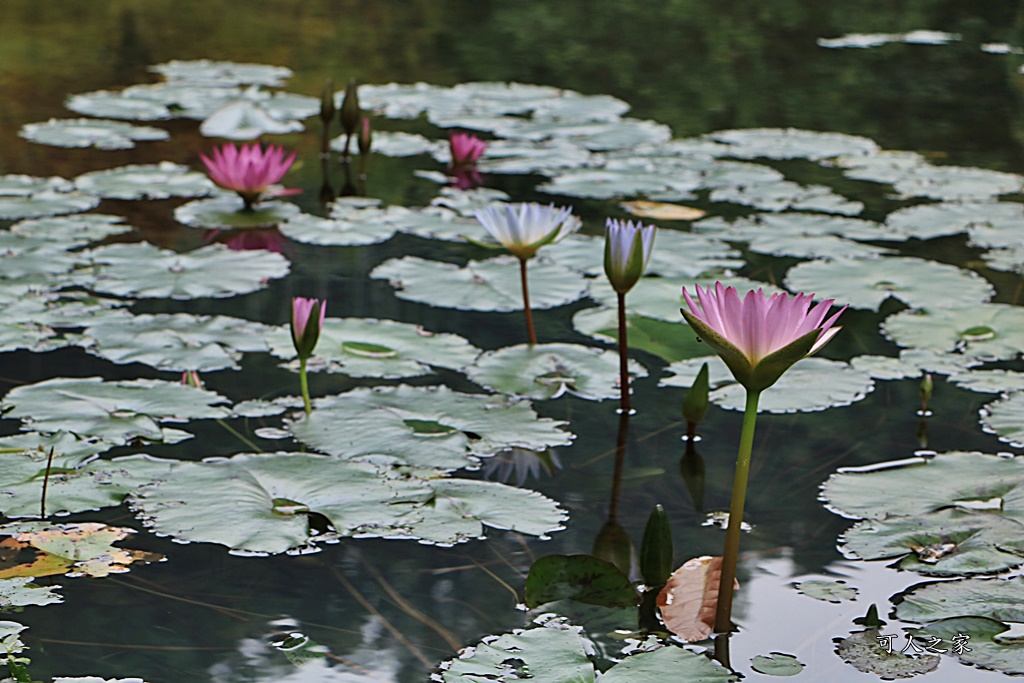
[(46, 482), (409, 609)]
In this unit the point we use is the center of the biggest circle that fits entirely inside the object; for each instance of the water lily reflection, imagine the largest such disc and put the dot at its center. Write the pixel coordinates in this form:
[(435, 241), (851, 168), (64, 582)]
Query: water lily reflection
[(516, 465)]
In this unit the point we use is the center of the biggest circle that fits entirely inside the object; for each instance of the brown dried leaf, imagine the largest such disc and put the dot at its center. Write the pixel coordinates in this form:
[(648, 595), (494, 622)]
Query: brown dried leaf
[(21, 559), (662, 210), (689, 598)]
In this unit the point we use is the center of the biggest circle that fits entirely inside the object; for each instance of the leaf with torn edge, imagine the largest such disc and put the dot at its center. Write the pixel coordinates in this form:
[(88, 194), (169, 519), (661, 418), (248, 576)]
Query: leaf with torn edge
[(689, 598)]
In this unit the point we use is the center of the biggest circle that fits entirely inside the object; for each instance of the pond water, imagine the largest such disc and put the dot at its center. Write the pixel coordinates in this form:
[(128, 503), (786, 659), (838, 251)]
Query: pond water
[(858, 150)]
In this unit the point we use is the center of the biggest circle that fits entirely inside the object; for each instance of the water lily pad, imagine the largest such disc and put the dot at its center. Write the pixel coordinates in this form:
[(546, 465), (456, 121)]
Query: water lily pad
[(149, 181), (69, 232), (177, 342), (827, 591), (25, 257), (797, 226), (956, 183), (527, 156), (207, 72), (867, 283), (583, 578), (18, 592), (394, 144), (143, 270), (261, 504), (863, 651), (791, 143), (228, 211), (785, 196), (607, 183), (74, 451), (990, 224), (98, 133), (116, 105), (491, 285), (1010, 260), (667, 340), (884, 367), (367, 347), (886, 166), (591, 135), (864, 40), (113, 411), (811, 385), (254, 113), (984, 332), (703, 254), (546, 371), (310, 229), (777, 664), (432, 427), (46, 203), (989, 381), (1005, 419)]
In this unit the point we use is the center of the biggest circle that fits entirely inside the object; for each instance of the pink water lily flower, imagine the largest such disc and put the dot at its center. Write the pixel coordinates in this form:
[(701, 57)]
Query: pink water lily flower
[(465, 149), (759, 337), (249, 171), (304, 334)]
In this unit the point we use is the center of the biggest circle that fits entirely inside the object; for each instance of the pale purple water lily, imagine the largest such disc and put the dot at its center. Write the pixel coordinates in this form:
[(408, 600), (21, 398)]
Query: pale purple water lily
[(465, 149), (627, 249), (305, 335), (759, 337), (249, 171), (526, 227)]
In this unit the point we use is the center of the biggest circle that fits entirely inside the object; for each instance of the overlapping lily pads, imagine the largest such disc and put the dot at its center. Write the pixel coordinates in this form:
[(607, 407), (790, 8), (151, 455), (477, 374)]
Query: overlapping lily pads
[(114, 411), (431, 427), (114, 105), (143, 270), (791, 143), (990, 224), (786, 195), (491, 285), (867, 283), (44, 202), (985, 332), (145, 181), (546, 371), (367, 347), (222, 73), (702, 255), (262, 503), (68, 232), (228, 211), (98, 133)]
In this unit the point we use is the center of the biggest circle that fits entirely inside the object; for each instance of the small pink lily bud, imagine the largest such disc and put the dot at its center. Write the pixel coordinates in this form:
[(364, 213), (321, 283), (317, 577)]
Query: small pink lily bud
[(304, 334)]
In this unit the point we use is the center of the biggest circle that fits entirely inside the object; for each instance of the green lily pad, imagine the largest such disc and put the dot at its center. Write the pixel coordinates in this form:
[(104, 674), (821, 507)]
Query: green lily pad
[(583, 578), (214, 73), (261, 503), (983, 610), (149, 181), (113, 411), (394, 144), (143, 270), (669, 341), (827, 591), (791, 143), (984, 332), (491, 285), (607, 183), (884, 367), (956, 183), (863, 651), (703, 254), (785, 195), (20, 185), (46, 203), (18, 592), (591, 135), (116, 105), (34, 321), (989, 381), (990, 224), (885, 166), (254, 113), (867, 283), (36, 446), (386, 424), (811, 385), (546, 371), (777, 664), (1010, 260), (367, 347), (72, 231), (177, 342), (25, 257), (1005, 419), (98, 133), (310, 229), (796, 226), (228, 211), (526, 156)]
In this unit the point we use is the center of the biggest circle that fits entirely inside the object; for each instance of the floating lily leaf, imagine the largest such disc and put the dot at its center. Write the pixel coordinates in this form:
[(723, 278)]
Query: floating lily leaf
[(976, 612), (886, 166), (777, 664), (395, 144), (261, 503), (177, 342), (366, 347), (863, 40), (661, 298), (826, 247), (467, 202), (955, 183), (116, 105), (73, 486), (591, 135), (984, 332), (1005, 419), (17, 592), (32, 321), (650, 667), (546, 371), (812, 384), (785, 195), (254, 113), (185, 99), (73, 231), (491, 285), (608, 183), (206, 72), (113, 411), (98, 133), (991, 224), (791, 143), (483, 99), (793, 225), (258, 408), (989, 382), (87, 548), (867, 283), (24, 257), (46, 203), (310, 229), (433, 222), (227, 211), (527, 156), (863, 651), (18, 185), (71, 450), (703, 254), (669, 341), (883, 367), (150, 181), (425, 426), (1010, 260), (142, 270), (827, 591)]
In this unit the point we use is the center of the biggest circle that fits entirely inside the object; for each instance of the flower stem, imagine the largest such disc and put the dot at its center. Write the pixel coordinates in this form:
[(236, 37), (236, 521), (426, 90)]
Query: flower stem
[(723, 614), (623, 356), (304, 383), (526, 303)]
